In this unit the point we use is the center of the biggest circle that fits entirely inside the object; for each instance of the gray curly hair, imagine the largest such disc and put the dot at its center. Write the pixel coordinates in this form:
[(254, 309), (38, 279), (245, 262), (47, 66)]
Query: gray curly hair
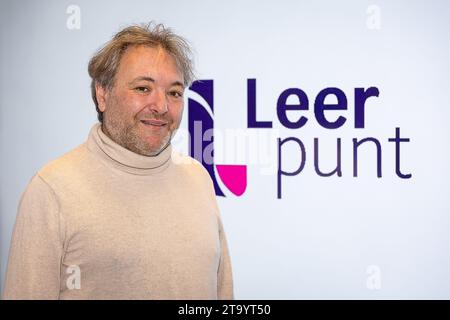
[(104, 64)]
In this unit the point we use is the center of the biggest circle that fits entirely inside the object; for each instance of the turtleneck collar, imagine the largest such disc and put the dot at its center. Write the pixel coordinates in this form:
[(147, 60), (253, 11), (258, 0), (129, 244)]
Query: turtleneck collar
[(123, 159)]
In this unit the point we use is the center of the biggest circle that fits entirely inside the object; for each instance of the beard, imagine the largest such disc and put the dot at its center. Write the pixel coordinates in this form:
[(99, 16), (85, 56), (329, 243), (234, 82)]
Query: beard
[(131, 134)]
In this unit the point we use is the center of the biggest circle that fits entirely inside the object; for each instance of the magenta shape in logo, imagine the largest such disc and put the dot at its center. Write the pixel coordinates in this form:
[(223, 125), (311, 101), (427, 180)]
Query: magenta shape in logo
[(234, 177)]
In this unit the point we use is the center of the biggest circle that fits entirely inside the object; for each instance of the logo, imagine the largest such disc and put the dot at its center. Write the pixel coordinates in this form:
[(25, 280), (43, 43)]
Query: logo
[(304, 147), (201, 148)]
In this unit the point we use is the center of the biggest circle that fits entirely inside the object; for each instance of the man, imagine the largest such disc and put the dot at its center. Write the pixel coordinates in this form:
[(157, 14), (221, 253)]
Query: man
[(118, 217)]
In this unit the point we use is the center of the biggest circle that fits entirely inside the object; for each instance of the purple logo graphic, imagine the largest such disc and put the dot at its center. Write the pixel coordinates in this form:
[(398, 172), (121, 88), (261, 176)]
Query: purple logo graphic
[(201, 130)]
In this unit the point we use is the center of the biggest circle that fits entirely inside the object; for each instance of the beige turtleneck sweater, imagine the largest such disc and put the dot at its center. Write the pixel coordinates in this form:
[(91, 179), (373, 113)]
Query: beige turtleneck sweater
[(102, 222)]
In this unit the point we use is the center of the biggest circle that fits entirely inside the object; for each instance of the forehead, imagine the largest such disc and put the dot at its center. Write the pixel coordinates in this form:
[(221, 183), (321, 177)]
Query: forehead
[(157, 63)]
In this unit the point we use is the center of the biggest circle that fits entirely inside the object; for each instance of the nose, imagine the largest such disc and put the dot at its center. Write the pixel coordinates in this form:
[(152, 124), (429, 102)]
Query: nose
[(158, 104)]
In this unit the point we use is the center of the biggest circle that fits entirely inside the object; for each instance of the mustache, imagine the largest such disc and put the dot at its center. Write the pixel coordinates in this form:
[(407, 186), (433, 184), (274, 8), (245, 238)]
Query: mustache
[(153, 117)]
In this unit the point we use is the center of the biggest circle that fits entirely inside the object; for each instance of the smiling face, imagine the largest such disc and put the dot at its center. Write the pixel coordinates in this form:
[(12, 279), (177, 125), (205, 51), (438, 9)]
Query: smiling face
[(144, 108)]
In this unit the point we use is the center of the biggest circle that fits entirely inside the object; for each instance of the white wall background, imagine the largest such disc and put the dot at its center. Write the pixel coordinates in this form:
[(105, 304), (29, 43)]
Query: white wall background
[(321, 238)]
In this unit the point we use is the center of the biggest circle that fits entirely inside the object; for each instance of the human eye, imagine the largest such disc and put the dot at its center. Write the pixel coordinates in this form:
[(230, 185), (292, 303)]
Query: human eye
[(142, 89), (176, 93)]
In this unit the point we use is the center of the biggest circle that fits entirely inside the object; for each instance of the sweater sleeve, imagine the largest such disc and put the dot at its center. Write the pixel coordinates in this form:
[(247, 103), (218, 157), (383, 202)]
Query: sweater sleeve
[(37, 246), (224, 276)]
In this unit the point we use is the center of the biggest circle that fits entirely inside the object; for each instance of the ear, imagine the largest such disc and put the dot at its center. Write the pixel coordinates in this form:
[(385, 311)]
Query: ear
[(101, 95)]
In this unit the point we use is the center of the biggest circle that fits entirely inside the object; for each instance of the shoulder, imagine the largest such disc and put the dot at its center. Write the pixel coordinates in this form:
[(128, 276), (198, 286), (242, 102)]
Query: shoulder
[(191, 168), (65, 167), (197, 178), (190, 165)]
